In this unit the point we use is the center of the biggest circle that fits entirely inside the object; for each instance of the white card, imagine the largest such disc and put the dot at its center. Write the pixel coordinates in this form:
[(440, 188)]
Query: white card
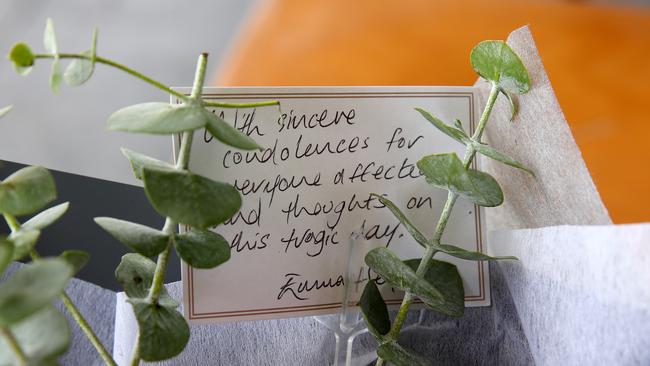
[(326, 151)]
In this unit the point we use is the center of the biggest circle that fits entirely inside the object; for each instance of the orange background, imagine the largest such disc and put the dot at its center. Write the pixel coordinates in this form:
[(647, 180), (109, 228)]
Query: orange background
[(598, 59)]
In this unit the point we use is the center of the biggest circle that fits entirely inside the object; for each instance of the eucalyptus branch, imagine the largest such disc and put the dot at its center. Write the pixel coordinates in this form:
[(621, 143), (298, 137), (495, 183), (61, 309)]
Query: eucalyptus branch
[(14, 345)]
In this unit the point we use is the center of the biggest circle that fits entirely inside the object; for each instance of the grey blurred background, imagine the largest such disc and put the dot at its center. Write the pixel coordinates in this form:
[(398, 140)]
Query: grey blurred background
[(66, 133)]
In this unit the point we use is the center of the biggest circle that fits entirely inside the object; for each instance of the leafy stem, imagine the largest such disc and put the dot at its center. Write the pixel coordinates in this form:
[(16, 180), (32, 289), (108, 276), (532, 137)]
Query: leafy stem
[(13, 344)]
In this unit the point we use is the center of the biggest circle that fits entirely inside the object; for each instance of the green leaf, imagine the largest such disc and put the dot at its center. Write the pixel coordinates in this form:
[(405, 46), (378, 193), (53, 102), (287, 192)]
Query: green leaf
[(139, 161), (163, 332), (444, 277), (24, 241), (499, 156), (447, 171), (135, 274), (5, 110), (43, 337), (415, 233), (202, 248), (31, 288), (400, 356), (49, 41), (399, 275), (229, 135), (27, 191), (461, 253), (189, 198), (495, 61), (158, 118), (6, 253), (80, 70), (455, 133), (374, 310), (143, 239), (47, 217), (22, 57), (77, 259)]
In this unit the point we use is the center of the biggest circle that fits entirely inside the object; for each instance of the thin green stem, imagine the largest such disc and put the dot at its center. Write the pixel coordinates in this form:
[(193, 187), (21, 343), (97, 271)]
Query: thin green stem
[(14, 225), (425, 263), (135, 357), (15, 347)]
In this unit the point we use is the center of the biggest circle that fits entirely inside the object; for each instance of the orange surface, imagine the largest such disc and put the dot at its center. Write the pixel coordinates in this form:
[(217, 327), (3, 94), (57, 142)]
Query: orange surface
[(598, 59)]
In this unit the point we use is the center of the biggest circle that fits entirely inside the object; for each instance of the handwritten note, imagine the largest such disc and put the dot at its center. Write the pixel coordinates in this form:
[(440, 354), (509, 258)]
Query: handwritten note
[(326, 150)]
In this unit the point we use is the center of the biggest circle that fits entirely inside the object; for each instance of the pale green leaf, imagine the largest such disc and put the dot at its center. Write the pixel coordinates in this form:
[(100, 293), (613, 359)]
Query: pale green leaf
[(495, 61), (399, 275), (81, 69), (399, 215), (189, 198), (455, 133), (158, 118), (163, 332), (6, 253), (374, 310), (51, 46), (27, 191), (227, 134), (400, 356), (31, 288), (447, 171), (5, 110), (77, 259), (24, 241), (43, 337), (143, 239), (499, 156), (461, 253), (139, 161), (446, 279), (202, 248), (22, 57), (135, 274), (47, 217)]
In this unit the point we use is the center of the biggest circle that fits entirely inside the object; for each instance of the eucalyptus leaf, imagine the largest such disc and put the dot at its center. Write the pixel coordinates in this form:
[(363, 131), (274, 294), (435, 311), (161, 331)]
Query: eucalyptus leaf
[(77, 259), (189, 198), (143, 239), (5, 110), (49, 41), (202, 248), (158, 118), (27, 191), (455, 133), (514, 107), (163, 332), (374, 310), (495, 61), (24, 241), (139, 161), (227, 134), (43, 337), (31, 288), (80, 70), (6, 253), (415, 233), (22, 57), (47, 217), (135, 274), (447, 171), (399, 275), (461, 253), (499, 156), (446, 279), (400, 356)]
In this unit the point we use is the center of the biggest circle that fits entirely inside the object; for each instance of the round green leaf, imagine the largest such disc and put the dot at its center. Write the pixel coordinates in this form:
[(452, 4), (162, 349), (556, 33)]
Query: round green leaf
[(43, 337), (446, 279), (158, 118), (27, 191), (31, 288), (400, 356), (163, 332), (80, 70), (6, 253), (227, 134), (135, 274), (202, 248), (22, 57), (47, 217), (189, 198), (143, 239), (495, 61), (5, 110), (374, 310), (447, 171), (139, 161), (77, 259), (24, 241), (399, 275)]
